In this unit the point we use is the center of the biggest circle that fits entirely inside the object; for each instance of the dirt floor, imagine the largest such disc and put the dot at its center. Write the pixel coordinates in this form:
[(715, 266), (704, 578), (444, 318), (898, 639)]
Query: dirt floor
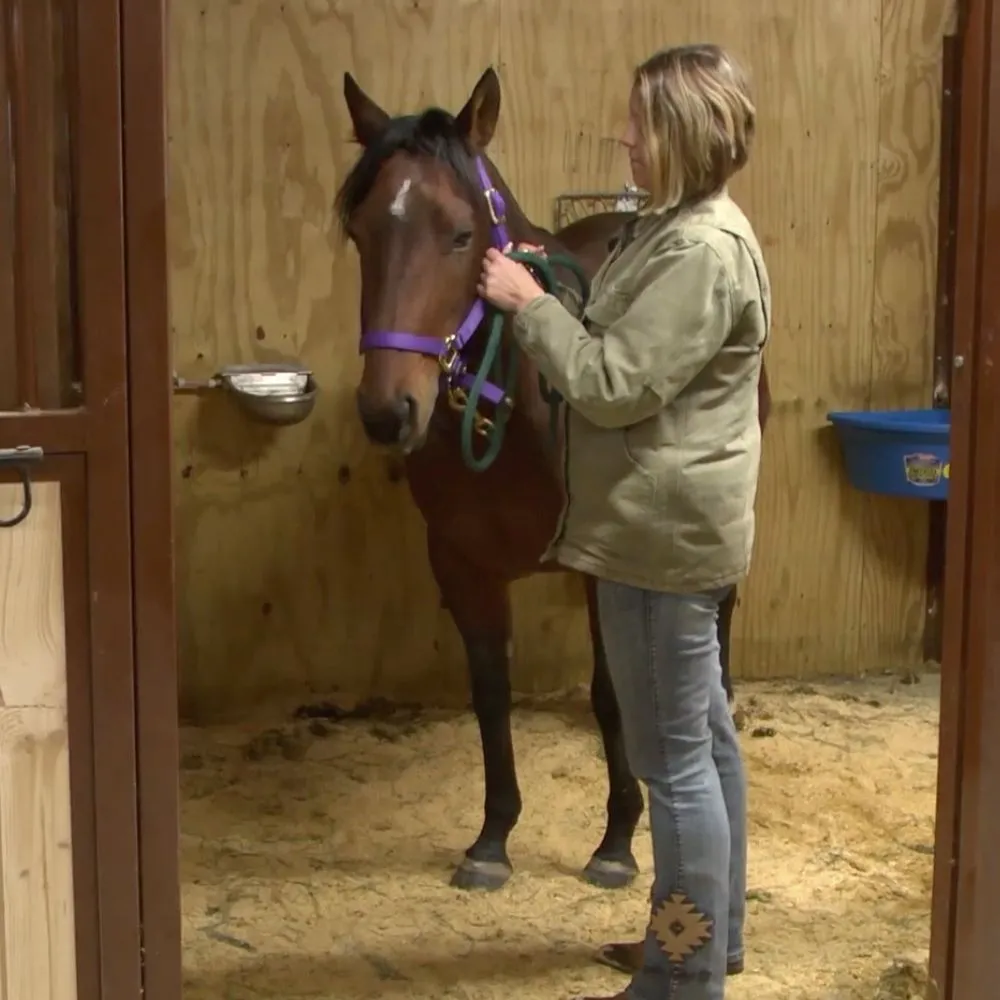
[(316, 856)]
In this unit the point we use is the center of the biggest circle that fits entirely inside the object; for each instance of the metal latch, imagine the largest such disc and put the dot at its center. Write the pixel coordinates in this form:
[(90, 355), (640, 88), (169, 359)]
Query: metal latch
[(21, 458)]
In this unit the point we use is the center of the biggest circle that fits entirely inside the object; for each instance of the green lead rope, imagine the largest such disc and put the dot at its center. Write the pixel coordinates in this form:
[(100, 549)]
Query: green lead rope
[(493, 367)]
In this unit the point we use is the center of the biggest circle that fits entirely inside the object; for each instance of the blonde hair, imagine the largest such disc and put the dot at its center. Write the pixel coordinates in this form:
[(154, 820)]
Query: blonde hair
[(697, 122)]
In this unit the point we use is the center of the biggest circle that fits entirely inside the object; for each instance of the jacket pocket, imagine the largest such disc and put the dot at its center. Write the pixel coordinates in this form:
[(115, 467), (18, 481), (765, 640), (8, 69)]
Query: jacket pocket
[(648, 465), (639, 487), (651, 448), (608, 479)]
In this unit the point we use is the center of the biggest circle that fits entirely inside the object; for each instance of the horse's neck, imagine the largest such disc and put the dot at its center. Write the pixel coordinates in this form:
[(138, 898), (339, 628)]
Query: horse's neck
[(528, 396)]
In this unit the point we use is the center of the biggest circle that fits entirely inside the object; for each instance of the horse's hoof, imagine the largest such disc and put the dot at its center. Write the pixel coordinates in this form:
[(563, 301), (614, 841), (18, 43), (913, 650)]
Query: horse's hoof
[(483, 875), (607, 874)]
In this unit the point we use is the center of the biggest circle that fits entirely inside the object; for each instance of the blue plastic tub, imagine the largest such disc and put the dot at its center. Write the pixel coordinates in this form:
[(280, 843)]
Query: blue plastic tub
[(903, 453)]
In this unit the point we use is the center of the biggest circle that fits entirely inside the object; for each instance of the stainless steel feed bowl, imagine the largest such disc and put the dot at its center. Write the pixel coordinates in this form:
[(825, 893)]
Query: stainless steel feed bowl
[(274, 394), (281, 394)]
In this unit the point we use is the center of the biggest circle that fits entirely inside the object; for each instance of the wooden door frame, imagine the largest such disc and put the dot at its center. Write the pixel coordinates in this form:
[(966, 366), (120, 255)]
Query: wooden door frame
[(150, 410), (965, 961)]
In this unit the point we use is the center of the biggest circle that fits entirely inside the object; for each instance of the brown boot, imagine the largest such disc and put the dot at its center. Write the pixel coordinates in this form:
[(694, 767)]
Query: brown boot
[(627, 958)]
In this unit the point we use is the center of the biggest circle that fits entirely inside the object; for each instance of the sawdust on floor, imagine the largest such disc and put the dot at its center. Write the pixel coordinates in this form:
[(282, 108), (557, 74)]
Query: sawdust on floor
[(316, 855)]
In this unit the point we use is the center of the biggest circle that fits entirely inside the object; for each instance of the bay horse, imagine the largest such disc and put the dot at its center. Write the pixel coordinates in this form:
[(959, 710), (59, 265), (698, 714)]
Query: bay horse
[(421, 205)]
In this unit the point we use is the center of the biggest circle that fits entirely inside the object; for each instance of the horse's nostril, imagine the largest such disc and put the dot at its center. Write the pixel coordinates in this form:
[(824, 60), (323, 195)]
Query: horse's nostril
[(390, 424), (409, 411)]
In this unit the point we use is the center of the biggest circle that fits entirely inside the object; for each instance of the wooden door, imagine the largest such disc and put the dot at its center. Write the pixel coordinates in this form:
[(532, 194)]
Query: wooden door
[(91, 573)]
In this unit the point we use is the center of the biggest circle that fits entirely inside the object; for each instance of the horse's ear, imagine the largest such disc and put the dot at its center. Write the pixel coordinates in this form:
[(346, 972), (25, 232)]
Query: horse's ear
[(478, 119), (368, 118)]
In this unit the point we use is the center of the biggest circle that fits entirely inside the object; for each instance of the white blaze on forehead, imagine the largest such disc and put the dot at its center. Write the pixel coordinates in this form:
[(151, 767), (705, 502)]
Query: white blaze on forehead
[(398, 206)]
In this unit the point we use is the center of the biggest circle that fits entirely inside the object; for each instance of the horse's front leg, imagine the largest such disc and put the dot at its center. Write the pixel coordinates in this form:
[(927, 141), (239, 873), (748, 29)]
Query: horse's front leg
[(612, 866), (726, 609), (479, 605)]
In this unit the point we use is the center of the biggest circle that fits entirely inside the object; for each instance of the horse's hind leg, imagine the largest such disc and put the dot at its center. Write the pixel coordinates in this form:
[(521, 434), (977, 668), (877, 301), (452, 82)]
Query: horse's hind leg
[(480, 608), (726, 609), (612, 865)]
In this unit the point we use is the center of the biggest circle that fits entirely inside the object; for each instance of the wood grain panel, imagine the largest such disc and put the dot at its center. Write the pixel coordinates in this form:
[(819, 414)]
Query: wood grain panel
[(301, 562), (815, 226), (36, 61), (902, 351), (37, 933), (8, 329), (301, 559)]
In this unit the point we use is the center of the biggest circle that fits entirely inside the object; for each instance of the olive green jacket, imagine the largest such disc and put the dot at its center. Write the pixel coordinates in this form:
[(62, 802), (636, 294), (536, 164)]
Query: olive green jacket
[(662, 434)]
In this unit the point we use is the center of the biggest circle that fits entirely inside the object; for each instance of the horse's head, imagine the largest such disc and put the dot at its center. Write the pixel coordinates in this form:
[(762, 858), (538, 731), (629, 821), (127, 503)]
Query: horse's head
[(414, 205)]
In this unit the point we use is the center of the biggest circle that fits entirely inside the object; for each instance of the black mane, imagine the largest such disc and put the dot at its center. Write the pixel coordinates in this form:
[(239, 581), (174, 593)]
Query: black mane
[(433, 133)]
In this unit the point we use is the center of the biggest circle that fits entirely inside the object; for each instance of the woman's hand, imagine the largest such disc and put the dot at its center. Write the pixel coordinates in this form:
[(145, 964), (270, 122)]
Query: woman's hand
[(506, 283)]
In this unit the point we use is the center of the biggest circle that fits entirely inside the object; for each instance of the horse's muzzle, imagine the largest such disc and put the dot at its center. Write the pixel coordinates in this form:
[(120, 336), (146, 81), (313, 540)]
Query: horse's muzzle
[(388, 424)]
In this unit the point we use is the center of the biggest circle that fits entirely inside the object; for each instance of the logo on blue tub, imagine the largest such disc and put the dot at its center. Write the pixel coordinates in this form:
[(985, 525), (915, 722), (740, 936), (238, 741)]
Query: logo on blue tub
[(923, 469)]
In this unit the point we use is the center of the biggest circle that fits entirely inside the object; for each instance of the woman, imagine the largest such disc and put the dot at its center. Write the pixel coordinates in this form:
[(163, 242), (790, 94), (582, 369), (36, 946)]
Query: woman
[(663, 450)]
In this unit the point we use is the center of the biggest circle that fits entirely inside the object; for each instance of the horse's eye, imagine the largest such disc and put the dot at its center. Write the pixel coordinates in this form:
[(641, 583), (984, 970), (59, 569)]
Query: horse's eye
[(462, 240)]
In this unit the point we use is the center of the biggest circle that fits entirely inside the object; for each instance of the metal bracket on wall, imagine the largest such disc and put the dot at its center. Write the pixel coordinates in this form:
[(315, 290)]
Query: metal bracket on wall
[(20, 458)]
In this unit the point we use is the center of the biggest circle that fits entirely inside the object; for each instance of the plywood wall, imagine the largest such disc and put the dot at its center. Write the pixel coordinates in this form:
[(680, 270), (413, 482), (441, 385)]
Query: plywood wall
[(37, 936), (301, 560)]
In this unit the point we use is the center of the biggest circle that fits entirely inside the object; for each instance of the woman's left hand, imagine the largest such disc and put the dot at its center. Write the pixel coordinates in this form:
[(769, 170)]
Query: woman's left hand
[(506, 283)]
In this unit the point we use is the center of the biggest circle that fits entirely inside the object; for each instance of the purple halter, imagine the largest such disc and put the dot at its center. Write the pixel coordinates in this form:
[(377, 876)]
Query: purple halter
[(448, 350)]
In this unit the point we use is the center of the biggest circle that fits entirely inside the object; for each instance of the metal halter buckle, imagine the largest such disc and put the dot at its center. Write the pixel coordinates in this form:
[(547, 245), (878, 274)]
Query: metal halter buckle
[(495, 217), (450, 359)]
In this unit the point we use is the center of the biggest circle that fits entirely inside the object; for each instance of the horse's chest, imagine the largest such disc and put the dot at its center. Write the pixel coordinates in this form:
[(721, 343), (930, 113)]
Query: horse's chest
[(503, 517)]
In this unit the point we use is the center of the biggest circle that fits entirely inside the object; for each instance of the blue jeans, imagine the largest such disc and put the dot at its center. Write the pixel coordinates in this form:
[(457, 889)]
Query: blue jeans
[(663, 656)]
